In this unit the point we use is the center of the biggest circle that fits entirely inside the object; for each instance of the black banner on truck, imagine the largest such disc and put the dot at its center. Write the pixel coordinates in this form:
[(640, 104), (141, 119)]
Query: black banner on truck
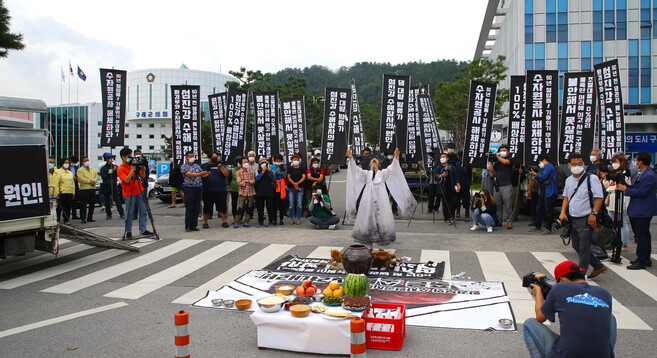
[(24, 188)]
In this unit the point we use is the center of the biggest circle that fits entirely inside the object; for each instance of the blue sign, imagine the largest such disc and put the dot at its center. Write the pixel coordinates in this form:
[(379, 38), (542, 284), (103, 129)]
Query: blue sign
[(163, 168), (641, 142)]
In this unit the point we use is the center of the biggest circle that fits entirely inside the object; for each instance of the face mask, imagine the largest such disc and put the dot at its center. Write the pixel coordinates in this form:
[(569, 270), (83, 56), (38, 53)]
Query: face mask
[(443, 160), (296, 162), (86, 164), (51, 165), (251, 159), (190, 160), (245, 165), (277, 163), (263, 166), (214, 160), (503, 154), (315, 165), (593, 158), (615, 165), (390, 157), (541, 165), (66, 166), (577, 170), (450, 151)]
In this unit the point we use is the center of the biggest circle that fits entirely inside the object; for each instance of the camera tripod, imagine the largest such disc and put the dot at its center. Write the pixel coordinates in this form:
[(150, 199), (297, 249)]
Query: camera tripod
[(618, 225), (144, 196)]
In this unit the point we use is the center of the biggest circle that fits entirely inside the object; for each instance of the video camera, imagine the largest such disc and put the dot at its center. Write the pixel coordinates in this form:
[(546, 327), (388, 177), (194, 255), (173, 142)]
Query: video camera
[(491, 157), (139, 161), (540, 280), (533, 168), (563, 225), (619, 176)]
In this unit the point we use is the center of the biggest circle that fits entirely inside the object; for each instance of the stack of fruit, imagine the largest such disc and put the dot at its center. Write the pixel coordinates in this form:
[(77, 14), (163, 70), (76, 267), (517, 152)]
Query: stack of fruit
[(333, 289), (307, 288)]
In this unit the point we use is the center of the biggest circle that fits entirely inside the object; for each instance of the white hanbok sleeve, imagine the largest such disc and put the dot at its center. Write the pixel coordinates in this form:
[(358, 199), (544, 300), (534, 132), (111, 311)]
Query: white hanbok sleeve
[(398, 187), (356, 179)]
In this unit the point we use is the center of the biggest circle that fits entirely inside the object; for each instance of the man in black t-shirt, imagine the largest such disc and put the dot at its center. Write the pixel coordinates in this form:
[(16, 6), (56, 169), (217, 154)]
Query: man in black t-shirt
[(502, 170), (587, 326)]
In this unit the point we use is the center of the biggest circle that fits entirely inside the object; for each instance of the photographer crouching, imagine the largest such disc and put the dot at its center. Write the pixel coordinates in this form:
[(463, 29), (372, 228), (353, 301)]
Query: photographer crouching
[(130, 172), (484, 211), (587, 326), (323, 216)]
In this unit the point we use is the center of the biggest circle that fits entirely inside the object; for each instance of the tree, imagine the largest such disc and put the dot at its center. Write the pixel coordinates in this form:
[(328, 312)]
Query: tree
[(8, 40), (451, 97)]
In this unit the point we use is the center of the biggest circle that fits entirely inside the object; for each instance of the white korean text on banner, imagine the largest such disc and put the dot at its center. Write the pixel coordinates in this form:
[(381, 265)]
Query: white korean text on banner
[(611, 131), (542, 111), (113, 89), (294, 128), (516, 134), (235, 124), (217, 103), (357, 136), (265, 106), (185, 123), (413, 150), (481, 108), (430, 138), (577, 115), (25, 191), (337, 103), (394, 103)]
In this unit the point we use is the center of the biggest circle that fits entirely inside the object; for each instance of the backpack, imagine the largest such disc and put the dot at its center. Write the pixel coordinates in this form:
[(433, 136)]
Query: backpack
[(561, 179)]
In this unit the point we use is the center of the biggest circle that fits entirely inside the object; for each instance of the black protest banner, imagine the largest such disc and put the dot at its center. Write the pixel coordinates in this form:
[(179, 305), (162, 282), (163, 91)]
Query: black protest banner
[(113, 89), (611, 131), (266, 124), (430, 138), (358, 136), (337, 102), (233, 145), (577, 115), (481, 108), (394, 103), (218, 106), (185, 123), (294, 128), (542, 109), (516, 134), (414, 150), (25, 191)]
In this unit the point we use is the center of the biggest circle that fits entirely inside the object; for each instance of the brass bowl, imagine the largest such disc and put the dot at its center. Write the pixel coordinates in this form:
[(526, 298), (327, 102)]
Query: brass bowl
[(286, 292), (243, 304)]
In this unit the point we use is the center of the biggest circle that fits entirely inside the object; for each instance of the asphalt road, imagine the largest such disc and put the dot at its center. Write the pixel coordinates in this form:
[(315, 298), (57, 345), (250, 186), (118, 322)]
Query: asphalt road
[(65, 306)]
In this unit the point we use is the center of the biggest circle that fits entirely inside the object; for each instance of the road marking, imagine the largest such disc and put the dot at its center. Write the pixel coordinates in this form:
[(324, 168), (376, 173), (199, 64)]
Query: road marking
[(254, 262), (120, 269), (625, 319), (63, 268), (48, 322), (497, 267), (63, 241), (324, 252), (41, 258), (641, 279), (438, 256), (163, 278)]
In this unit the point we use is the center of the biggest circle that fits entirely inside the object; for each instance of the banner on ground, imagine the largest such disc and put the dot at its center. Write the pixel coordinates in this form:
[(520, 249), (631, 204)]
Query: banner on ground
[(577, 115), (113, 89), (337, 102), (394, 103), (294, 128), (611, 132), (542, 110), (185, 123), (218, 106), (430, 138), (414, 150), (24, 192), (357, 136), (266, 124), (481, 108), (236, 107), (516, 133)]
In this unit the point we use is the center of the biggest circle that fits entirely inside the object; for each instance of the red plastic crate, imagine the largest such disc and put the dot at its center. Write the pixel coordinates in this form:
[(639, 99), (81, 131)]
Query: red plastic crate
[(386, 340)]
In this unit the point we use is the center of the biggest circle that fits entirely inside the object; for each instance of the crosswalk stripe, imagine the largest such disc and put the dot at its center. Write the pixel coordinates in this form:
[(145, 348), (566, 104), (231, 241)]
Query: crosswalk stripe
[(324, 252), (63, 268), (120, 269), (255, 262), (654, 256), (438, 256), (41, 258), (497, 267), (63, 241), (625, 319), (163, 278), (641, 279)]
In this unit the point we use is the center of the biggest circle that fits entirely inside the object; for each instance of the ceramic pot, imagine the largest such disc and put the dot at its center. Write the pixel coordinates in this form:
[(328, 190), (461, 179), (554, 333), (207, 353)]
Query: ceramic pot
[(357, 259)]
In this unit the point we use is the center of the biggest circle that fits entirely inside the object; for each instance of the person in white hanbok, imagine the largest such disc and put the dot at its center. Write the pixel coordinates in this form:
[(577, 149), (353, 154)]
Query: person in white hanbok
[(374, 221)]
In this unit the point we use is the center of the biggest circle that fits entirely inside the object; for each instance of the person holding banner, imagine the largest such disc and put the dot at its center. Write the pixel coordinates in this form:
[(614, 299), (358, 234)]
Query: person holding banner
[(245, 182), (110, 188), (374, 219), (280, 197), (503, 171), (448, 187), (265, 193), (234, 188), (296, 175)]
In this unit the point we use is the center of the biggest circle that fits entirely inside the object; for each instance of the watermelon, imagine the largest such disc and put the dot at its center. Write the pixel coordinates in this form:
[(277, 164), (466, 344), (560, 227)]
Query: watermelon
[(356, 285)]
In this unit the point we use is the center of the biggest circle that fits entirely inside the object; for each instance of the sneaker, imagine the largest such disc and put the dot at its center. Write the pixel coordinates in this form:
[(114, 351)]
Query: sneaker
[(146, 233), (195, 229), (188, 229), (546, 232), (597, 272), (333, 227), (272, 223), (474, 227), (637, 266), (624, 248), (128, 236), (489, 228), (535, 229), (509, 226), (206, 226), (247, 225), (259, 225), (224, 224), (83, 221), (236, 226), (316, 227), (281, 223)]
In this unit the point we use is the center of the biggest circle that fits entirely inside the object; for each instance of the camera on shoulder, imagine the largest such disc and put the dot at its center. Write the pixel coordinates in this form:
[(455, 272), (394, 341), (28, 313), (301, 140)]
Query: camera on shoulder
[(139, 161)]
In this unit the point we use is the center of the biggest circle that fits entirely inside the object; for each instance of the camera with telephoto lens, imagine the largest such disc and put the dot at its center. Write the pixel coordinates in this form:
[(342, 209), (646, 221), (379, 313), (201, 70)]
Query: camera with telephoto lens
[(540, 280), (563, 225), (491, 157), (533, 168), (139, 161), (619, 176)]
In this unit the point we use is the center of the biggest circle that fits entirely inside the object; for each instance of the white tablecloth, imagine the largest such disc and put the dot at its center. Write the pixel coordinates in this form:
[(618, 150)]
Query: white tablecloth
[(312, 334)]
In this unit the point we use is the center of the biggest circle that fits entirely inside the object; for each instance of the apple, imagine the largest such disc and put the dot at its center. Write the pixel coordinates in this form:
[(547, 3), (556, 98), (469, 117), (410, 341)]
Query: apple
[(307, 283), (301, 291), (311, 290), (315, 287)]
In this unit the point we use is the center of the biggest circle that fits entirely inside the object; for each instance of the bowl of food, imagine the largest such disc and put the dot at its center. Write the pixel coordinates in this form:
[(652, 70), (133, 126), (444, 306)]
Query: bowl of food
[(285, 289), (229, 303), (300, 311), (318, 297), (506, 323), (243, 304), (271, 304)]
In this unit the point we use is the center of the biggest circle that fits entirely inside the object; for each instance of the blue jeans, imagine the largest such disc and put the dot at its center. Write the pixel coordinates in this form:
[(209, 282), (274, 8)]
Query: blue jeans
[(539, 338), (130, 203), (295, 198), (484, 219)]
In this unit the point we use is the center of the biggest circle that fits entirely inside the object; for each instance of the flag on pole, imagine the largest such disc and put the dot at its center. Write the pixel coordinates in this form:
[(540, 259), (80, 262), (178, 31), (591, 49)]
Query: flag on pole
[(63, 75), (81, 74), (70, 67)]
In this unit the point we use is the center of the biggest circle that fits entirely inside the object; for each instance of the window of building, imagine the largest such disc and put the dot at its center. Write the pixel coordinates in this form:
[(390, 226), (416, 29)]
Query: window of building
[(633, 71), (645, 71), (586, 55), (127, 124), (151, 125), (621, 19), (151, 136), (138, 136), (100, 157), (597, 52), (162, 147), (100, 123), (139, 147), (162, 125), (98, 135), (151, 147), (126, 135), (162, 136), (138, 125)]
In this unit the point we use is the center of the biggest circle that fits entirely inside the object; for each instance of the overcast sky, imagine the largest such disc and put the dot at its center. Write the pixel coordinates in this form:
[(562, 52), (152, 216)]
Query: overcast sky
[(224, 35)]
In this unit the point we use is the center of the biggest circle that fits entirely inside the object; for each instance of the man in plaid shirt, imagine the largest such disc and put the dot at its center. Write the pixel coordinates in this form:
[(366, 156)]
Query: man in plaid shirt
[(246, 194)]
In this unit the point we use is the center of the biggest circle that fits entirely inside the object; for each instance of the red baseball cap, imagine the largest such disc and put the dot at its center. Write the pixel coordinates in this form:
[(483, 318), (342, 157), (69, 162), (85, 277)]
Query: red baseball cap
[(565, 268)]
